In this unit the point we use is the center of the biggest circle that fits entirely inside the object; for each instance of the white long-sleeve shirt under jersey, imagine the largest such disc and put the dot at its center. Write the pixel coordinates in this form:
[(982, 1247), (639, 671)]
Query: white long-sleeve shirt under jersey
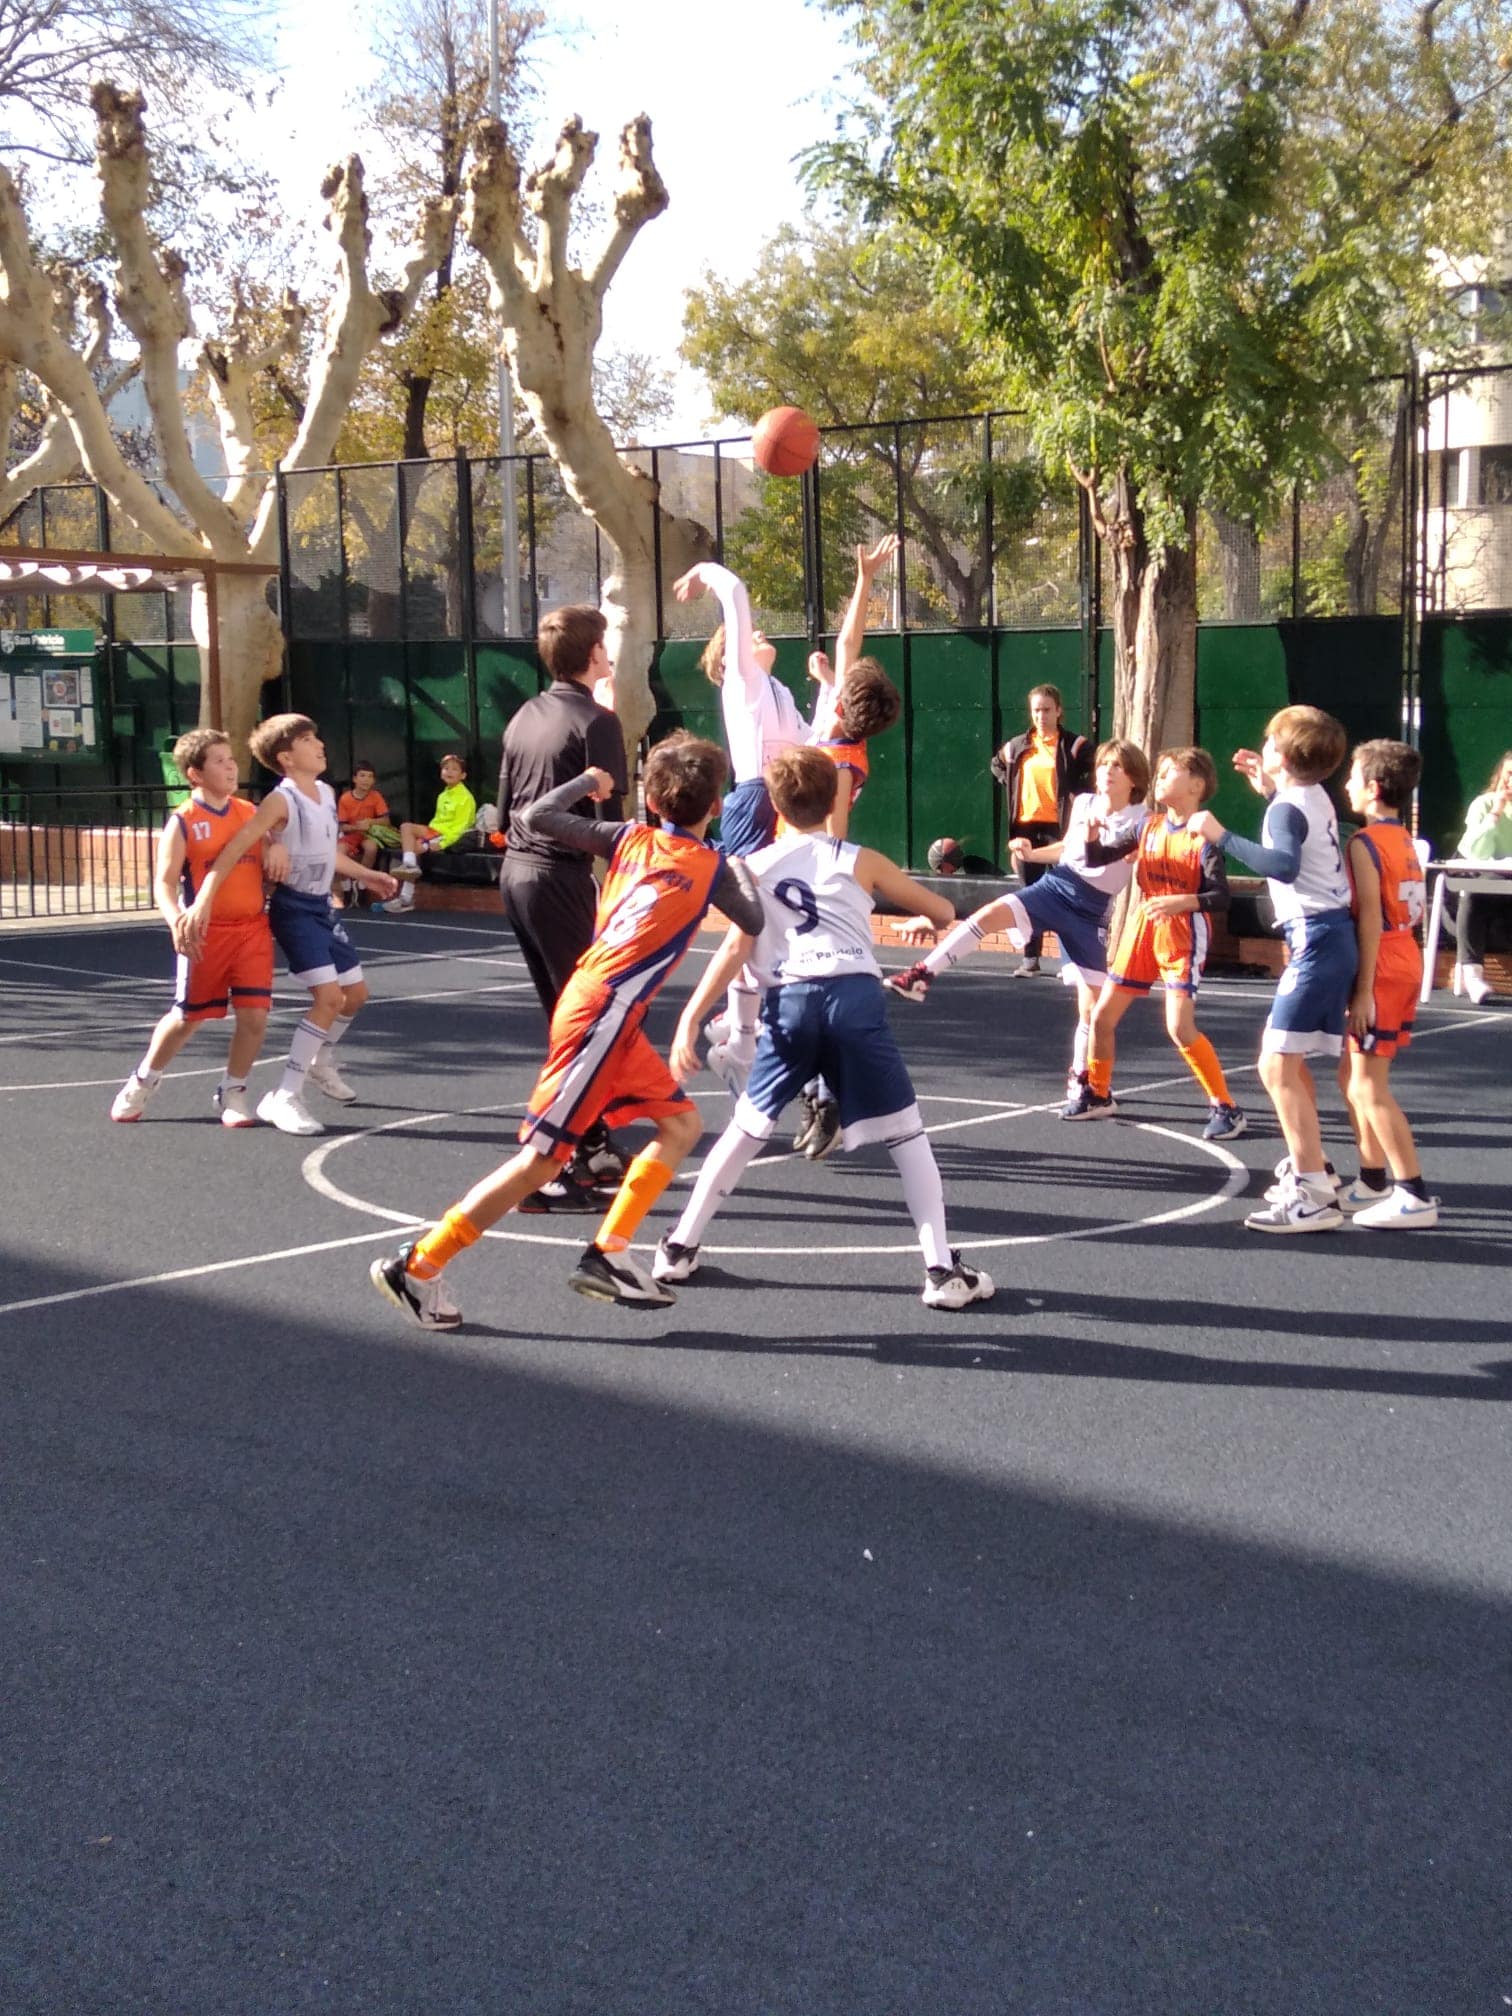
[(761, 717)]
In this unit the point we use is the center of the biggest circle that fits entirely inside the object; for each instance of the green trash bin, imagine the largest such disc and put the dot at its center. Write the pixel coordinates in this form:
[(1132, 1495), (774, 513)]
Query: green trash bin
[(178, 790)]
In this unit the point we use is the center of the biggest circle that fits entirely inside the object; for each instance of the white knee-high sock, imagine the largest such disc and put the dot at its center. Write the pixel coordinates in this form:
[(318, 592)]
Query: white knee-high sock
[(304, 1047), (1079, 1044), (959, 942), (924, 1195), (724, 1165)]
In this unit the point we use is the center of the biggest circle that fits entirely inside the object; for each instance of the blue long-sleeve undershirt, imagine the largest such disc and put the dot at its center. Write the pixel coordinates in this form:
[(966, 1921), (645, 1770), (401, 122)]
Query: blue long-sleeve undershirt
[(1277, 854)]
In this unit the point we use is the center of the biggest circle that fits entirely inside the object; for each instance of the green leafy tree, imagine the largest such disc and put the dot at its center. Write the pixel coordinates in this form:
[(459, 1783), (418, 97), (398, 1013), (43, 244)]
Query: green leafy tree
[(848, 324), (1191, 235)]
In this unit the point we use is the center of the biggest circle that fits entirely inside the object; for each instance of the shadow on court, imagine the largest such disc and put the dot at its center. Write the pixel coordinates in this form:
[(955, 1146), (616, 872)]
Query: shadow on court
[(353, 1671)]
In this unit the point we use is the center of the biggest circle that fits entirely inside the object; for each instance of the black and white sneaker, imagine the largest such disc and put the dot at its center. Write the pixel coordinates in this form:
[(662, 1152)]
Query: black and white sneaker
[(808, 1112), (617, 1277), (956, 1286), (426, 1302), (674, 1262), (825, 1132), (1085, 1104), (912, 983), (599, 1159), (567, 1192)]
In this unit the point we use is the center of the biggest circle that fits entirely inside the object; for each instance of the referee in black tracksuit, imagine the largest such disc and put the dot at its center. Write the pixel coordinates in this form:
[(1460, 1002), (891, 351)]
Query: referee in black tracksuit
[(550, 896)]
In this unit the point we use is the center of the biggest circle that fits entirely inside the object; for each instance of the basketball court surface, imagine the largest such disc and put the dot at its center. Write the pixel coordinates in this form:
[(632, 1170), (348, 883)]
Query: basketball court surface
[(1136, 1641)]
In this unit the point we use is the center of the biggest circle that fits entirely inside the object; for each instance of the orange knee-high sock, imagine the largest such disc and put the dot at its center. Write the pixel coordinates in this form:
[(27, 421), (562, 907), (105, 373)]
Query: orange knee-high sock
[(1100, 1076), (643, 1182), (442, 1243), (1202, 1061)]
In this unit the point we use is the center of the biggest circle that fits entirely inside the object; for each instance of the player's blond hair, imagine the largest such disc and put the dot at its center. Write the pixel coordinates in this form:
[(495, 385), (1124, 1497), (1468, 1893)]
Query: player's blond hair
[(711, 658), (1310, 742)]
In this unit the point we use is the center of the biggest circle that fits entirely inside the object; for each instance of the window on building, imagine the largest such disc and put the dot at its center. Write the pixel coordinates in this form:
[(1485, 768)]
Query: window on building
[(1495, 484)]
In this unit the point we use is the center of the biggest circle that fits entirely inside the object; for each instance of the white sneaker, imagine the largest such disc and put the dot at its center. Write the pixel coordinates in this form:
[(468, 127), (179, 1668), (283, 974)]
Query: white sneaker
[(234, 1103), (324, 1076), (288, 1113), (132, 1097), (957, 1285), (1400, 1211), (1284, 1179), (1359, 1197), (1477, 987), (674, 1262), (732, 1070), (1301, 1209)]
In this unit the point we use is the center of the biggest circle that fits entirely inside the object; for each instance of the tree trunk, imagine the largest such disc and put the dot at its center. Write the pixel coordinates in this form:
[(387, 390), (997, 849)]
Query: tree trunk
[(251, 652), (1154, 622)]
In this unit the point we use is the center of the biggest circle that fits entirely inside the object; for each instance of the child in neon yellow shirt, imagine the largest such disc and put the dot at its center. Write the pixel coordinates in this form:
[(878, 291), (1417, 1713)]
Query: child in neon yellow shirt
[(455, 816)]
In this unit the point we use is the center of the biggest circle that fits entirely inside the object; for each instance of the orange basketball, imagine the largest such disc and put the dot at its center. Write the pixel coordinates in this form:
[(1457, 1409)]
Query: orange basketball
[(785, 441)]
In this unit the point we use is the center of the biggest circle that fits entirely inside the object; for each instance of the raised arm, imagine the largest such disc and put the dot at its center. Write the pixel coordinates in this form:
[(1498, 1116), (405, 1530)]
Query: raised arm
[(852, 637), (735, 612), (552, 817)]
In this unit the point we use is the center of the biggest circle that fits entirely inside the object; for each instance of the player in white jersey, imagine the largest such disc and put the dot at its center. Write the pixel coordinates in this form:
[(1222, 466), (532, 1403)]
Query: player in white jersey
[(761, 720), (302, 811), (1092, 864), (1298, 853), (823, 1012)]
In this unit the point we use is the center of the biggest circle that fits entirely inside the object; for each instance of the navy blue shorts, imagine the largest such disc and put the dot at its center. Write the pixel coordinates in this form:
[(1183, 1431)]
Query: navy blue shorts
[(1076, 912), (748, 818), (1311, 1008), (312, 939), (836, 1030)]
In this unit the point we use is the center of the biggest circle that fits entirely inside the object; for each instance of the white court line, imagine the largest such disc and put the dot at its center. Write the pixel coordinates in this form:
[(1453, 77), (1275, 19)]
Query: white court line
[(1235, 1180), (392, 1218), (195, 1273), (217, 1070)]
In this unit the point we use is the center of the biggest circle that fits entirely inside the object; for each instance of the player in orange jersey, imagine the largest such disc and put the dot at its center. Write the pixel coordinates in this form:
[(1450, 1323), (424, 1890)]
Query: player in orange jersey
[(1387, 879), (600, 1064), (234, 966), (1181, 882)]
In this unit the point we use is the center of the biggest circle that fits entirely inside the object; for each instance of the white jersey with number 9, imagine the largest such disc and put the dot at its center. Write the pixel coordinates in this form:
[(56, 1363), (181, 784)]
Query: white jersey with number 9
[(818, 917)]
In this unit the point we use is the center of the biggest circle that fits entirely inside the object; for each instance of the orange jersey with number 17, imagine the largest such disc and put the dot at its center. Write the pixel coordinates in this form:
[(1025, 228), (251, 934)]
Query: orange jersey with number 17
[(206, 831)]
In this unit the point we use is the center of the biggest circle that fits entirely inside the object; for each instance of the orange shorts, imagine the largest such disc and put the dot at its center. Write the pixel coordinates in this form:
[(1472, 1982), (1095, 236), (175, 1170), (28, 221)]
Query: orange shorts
[(1170, 950), (1394, 999), (600, 1066), (235, 969)]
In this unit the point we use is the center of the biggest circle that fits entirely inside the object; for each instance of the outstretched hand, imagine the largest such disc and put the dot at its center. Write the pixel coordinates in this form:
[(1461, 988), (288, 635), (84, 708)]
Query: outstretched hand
[(1206, 827), (820, 668), (868, 562), (1247, 762), (603, 783), (917, 931), (688, 587)]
